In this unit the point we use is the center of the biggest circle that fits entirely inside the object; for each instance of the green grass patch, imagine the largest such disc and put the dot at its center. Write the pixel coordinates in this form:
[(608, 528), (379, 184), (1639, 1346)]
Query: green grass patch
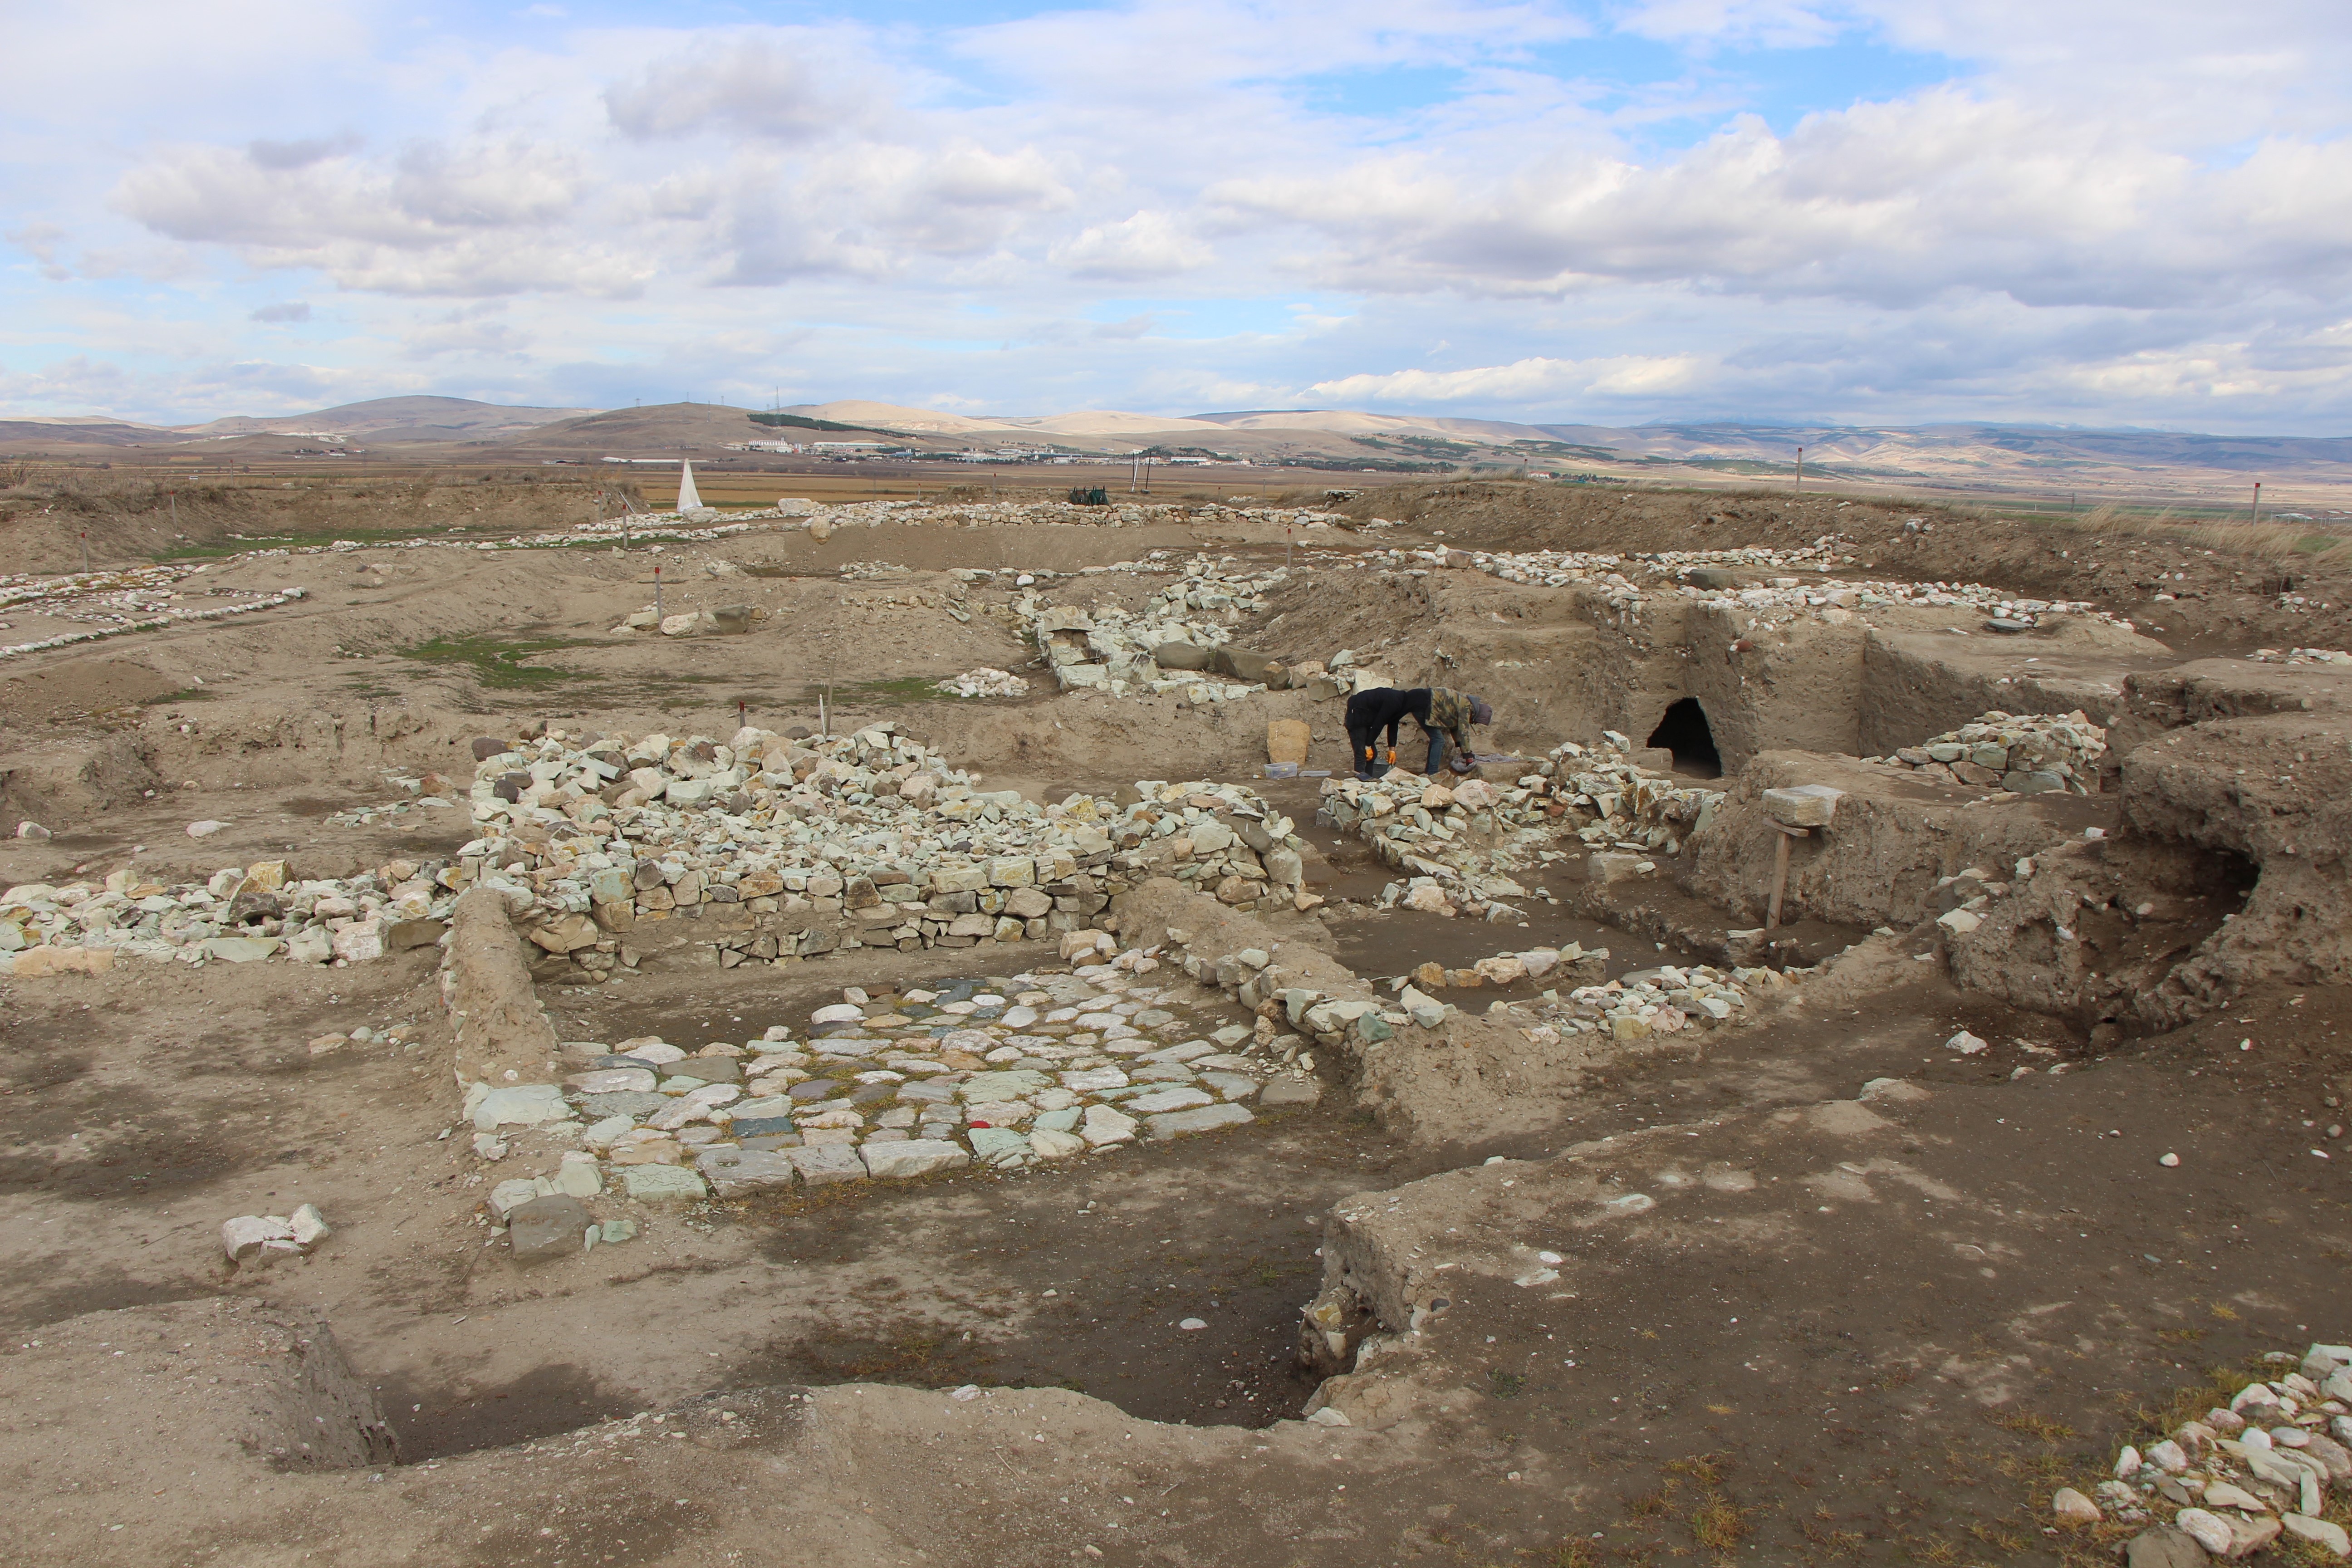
[(498, 662), (909, 689), (215, 549)]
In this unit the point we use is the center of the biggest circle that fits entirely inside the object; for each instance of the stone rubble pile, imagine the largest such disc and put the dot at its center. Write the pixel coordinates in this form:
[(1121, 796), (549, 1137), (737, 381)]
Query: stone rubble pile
[(1254, 977), (984, 681), (722, 619), (240, 914), (1570, 965), (114, 602), (786, 846), (1661, 1001), (1459, 841), (1713, 579), (1177, 642), (2300, 656), (2024, 754), (1606, 573), (1005, 1071), (1052, 513), (2239, 1479)]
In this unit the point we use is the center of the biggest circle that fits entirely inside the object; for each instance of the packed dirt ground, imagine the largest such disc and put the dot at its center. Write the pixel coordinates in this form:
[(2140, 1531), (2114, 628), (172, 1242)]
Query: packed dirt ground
[(2019, 1138)]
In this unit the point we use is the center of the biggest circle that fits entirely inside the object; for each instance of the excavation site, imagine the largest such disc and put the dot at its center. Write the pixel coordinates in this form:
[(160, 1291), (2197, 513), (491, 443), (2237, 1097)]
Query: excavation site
[(909, 1031)]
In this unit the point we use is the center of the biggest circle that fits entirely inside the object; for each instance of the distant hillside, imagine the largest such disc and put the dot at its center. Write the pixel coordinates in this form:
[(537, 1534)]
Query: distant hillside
[(1981, 457), (389, 419)]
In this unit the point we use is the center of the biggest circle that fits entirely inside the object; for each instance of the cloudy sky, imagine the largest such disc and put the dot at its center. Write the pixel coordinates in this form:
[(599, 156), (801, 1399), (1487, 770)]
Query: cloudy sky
[(1609, 211)]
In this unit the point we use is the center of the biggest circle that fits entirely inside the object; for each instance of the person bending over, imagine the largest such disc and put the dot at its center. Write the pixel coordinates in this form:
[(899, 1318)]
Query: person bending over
[(1443, 714)]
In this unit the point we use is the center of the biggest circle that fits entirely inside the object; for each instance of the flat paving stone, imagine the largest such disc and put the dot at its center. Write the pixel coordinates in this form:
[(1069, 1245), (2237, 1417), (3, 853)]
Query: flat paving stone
[(740, 1169), (632, 1105), (1290, 1091), (822, 1163), (1166, 1099), (662, 1183), (914, 1157), (1207, 1119)]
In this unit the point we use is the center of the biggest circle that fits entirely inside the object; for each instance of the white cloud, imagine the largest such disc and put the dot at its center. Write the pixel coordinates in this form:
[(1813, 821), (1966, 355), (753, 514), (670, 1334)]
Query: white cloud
[(779, 85), (1526, 381), (1147, 245)]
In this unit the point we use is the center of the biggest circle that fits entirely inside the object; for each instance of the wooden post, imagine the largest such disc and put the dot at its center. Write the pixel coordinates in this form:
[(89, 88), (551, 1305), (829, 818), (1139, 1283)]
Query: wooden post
[(1781, 870), (2257, 515)]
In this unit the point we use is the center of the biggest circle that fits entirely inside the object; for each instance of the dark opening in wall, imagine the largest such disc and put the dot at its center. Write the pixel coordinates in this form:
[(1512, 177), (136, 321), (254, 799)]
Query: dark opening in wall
[(1683, 731)]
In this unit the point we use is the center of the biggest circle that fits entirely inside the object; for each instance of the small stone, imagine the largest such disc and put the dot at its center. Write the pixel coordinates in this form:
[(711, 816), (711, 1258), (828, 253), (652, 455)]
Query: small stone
[(2320, 1533), (308, 1227), (999, 1145), (245, 1237), (1192, 1325), (1048, 1144), (2169, 1161), (2164, 1548), (1965, 1042), (2206, 1529), (1103, 1126), (509, 1195), (552, 1226), (2071, 1507), (1285, 1091), (578, 1179), (2248, 1536)]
